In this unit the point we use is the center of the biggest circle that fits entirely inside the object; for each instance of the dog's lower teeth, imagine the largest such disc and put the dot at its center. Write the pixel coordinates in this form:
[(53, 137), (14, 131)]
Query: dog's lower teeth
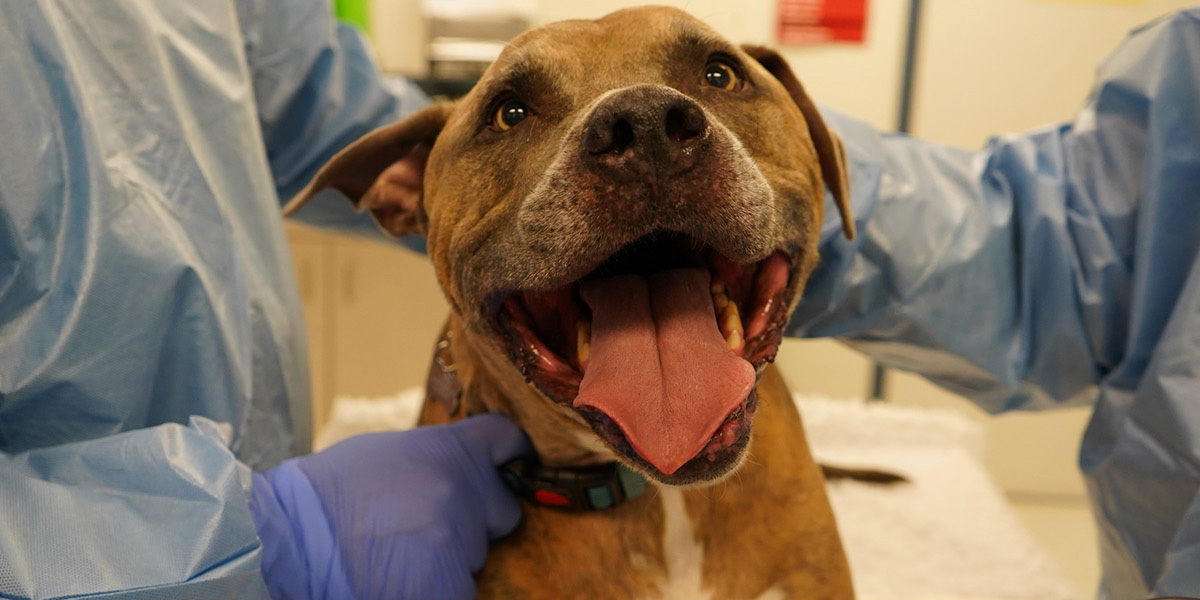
[(720, 300), (731, 326), (730, 318), (583, 344), (734, 340)]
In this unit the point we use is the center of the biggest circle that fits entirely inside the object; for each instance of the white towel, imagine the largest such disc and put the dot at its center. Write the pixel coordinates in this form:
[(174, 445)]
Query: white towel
[(949, 533)]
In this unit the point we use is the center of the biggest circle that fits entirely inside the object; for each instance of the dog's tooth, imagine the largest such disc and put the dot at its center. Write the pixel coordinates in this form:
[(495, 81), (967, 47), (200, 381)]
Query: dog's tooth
[(720, 301), (731, 327), (734, 340), (719, 298), (730, 318), (583, 344)]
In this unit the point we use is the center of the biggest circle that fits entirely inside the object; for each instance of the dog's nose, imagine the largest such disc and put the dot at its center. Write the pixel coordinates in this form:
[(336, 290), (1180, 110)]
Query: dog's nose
[(644, 125)]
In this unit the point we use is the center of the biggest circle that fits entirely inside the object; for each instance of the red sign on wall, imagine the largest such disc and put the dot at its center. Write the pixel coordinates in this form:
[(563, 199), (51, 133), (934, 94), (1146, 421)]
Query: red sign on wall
[(818, 21)]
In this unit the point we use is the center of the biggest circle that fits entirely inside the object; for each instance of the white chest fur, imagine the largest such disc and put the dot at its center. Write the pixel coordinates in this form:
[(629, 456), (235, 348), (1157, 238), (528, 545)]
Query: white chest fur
[(685, 556)]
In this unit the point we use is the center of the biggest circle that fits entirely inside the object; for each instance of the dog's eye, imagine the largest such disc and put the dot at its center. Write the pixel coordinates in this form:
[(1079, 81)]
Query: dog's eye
[(720, 75), (509, 114)]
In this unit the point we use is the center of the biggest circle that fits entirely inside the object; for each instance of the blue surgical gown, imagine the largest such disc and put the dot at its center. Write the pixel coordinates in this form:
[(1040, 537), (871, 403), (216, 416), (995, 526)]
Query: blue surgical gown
[(1052, 268), (151, 338)]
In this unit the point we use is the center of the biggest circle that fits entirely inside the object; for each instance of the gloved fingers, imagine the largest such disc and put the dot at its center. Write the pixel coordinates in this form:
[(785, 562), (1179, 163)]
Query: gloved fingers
[(460, 586), (502, 507), (503, 441), (473, 540), (428, 565), (433, 494), (494, 433)]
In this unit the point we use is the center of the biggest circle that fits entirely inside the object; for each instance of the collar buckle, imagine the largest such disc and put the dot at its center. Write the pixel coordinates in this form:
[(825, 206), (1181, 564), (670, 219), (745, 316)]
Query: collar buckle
[(443, 385)]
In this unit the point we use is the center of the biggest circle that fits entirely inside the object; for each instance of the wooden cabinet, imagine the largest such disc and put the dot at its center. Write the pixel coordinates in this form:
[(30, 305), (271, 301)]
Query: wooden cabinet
[(373, 311)]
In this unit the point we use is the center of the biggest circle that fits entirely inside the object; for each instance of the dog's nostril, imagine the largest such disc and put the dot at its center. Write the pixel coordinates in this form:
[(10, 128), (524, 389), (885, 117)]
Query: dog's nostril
[(685, 123), (643, 127), (622, 135), (614, 137)]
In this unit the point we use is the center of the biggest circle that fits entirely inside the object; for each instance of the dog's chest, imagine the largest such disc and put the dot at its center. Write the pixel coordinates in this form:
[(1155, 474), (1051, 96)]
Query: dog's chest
[(684, 554), (652, 548), (765, 533)]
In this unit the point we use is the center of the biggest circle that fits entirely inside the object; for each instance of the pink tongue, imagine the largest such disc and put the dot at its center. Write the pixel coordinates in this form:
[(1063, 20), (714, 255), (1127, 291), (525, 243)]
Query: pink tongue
[(658, 365)]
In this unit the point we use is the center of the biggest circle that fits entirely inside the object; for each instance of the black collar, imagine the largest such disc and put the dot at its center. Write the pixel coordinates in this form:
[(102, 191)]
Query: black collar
[(591, 487)]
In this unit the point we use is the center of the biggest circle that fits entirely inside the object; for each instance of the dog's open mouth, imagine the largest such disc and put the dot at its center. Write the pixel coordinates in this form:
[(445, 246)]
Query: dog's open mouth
[(657, 349)]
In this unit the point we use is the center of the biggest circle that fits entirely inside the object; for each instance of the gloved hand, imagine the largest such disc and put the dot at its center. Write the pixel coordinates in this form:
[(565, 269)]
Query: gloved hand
[(405, 514)]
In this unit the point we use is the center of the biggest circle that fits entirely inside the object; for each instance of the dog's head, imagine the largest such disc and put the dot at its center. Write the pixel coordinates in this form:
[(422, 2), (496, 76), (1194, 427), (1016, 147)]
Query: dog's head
[(627, 209)]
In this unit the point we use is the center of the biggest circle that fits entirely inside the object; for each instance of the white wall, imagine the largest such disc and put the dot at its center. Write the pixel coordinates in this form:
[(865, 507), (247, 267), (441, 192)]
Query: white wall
[(860, 80), (986, 66), (990, 66)]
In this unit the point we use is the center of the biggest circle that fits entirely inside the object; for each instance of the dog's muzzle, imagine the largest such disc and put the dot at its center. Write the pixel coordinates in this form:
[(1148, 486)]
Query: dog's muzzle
[(643, 131)]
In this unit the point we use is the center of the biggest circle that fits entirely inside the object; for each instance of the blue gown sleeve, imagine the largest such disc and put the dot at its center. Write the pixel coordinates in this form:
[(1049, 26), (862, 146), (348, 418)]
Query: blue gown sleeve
[(153, 513), (151, 335), (317, 88), (1054, 267)]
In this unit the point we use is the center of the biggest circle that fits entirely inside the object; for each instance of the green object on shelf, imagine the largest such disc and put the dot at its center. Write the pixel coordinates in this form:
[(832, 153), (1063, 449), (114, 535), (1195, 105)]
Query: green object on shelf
[(354, 12)]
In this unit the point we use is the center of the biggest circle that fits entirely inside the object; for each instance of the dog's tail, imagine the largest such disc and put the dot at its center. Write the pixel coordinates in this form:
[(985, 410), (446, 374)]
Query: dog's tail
[(871, 476)]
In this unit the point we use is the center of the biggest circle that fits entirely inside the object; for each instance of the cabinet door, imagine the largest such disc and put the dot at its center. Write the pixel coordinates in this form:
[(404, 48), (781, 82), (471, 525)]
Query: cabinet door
[(311, 258), (387, 313)]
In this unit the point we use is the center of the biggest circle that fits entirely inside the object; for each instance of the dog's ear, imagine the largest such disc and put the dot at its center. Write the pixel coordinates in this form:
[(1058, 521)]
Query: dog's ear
[(829, 147), (384, 172)]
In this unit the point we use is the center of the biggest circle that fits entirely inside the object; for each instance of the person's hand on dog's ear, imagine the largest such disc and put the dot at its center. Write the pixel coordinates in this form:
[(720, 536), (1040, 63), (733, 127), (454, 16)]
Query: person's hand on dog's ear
[(405, 514)]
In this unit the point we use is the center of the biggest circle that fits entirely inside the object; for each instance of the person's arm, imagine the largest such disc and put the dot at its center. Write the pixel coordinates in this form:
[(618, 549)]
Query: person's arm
[(160, 510), (317, 88), (1054, 267), (163, 512)]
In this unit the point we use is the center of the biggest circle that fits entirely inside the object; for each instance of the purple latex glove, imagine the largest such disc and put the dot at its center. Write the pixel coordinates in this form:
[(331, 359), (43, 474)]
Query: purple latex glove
[(406, 514)]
